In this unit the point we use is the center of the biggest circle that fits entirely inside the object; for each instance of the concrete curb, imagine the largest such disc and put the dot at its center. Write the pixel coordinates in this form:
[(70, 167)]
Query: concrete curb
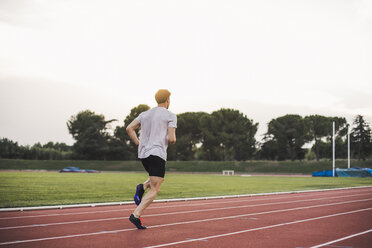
[(169, 200)]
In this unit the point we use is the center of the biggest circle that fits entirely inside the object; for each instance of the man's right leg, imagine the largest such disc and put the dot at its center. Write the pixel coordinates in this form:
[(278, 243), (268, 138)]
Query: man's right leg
[(156, 172), (154, 185)]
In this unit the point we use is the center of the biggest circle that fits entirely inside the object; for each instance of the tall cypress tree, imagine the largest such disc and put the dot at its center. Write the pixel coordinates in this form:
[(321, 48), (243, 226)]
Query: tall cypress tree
[(361, 138)]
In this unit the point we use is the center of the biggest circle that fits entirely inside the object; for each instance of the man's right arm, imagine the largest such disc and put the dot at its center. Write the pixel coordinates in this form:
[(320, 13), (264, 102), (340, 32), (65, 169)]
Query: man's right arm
[(172, 135), (131, 130)]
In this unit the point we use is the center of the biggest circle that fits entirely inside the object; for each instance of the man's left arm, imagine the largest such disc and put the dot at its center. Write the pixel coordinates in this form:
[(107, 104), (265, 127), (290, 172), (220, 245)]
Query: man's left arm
[(131, 130)]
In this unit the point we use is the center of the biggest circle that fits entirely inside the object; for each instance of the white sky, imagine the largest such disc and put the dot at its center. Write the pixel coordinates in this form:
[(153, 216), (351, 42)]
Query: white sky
[(265, 58)]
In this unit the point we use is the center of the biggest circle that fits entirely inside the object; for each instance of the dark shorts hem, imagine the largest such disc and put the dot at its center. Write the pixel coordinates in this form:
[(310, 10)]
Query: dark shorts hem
[(154, 165)]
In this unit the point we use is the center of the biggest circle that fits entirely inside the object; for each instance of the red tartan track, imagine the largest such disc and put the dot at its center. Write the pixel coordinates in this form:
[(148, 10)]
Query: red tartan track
[(341, 218)]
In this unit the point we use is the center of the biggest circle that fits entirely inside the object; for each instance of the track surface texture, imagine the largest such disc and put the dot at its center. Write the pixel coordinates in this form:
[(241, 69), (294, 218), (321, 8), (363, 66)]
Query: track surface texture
[(341, 218)]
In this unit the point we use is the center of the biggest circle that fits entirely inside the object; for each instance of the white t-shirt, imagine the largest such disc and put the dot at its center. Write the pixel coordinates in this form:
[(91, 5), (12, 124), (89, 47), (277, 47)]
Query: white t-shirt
[(154, 131)]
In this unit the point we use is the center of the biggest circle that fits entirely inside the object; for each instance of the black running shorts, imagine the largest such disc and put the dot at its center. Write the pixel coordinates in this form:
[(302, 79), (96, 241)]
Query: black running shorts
[(154, 165)]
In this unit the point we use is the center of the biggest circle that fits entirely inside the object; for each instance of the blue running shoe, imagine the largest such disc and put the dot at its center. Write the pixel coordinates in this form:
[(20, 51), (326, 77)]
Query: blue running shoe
[(139, 193), (136, 222)]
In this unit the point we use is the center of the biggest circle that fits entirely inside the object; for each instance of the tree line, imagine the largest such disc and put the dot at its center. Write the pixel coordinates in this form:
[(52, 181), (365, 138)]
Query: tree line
[(223, 135), (50, 151)]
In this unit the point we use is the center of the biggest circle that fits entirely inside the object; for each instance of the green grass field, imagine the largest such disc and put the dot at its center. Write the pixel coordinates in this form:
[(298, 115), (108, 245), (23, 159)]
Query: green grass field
[(21, 189), (277, 167)]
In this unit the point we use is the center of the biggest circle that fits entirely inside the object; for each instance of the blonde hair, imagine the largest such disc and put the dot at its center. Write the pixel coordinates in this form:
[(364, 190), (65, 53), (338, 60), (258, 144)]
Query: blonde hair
[(162, 95)]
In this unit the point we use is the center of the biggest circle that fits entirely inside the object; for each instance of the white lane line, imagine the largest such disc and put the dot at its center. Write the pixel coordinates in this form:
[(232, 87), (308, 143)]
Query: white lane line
[(257, 229), (221, 201), (181, 223), (161, 207), (341, 239), (175, 200), (67, 236), (174, 213), (152, 207)]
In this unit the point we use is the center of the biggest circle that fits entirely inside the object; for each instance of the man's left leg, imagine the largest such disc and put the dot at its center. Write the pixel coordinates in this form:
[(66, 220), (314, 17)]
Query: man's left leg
[(140, 190)]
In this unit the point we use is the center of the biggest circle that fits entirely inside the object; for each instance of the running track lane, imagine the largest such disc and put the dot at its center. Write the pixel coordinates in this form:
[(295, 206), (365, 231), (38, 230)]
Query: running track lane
[(341, 218)]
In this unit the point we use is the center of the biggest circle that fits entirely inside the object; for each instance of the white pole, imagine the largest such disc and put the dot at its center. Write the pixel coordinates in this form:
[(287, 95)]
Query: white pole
[(348, 147), (333, 150)]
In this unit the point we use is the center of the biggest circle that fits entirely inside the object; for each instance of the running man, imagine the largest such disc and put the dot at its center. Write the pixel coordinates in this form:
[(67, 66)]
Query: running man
[(158, 127)]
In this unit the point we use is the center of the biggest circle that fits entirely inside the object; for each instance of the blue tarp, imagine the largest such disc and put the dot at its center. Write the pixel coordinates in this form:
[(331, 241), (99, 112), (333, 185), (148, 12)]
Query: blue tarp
[(327, 173), (352, 172), (78, 170)]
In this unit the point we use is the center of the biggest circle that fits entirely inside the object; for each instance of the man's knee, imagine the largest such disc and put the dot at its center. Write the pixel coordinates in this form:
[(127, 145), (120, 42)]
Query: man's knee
[(155, 183), (156, 180), (156, 187), (147, 184)]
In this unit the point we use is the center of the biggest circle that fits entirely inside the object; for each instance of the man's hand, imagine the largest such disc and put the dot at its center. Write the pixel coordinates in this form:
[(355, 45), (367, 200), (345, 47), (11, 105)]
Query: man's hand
[(131, 130)]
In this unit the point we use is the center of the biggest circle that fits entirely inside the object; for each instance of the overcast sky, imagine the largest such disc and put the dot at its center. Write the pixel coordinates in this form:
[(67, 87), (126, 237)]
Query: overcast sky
[(265, 58)]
